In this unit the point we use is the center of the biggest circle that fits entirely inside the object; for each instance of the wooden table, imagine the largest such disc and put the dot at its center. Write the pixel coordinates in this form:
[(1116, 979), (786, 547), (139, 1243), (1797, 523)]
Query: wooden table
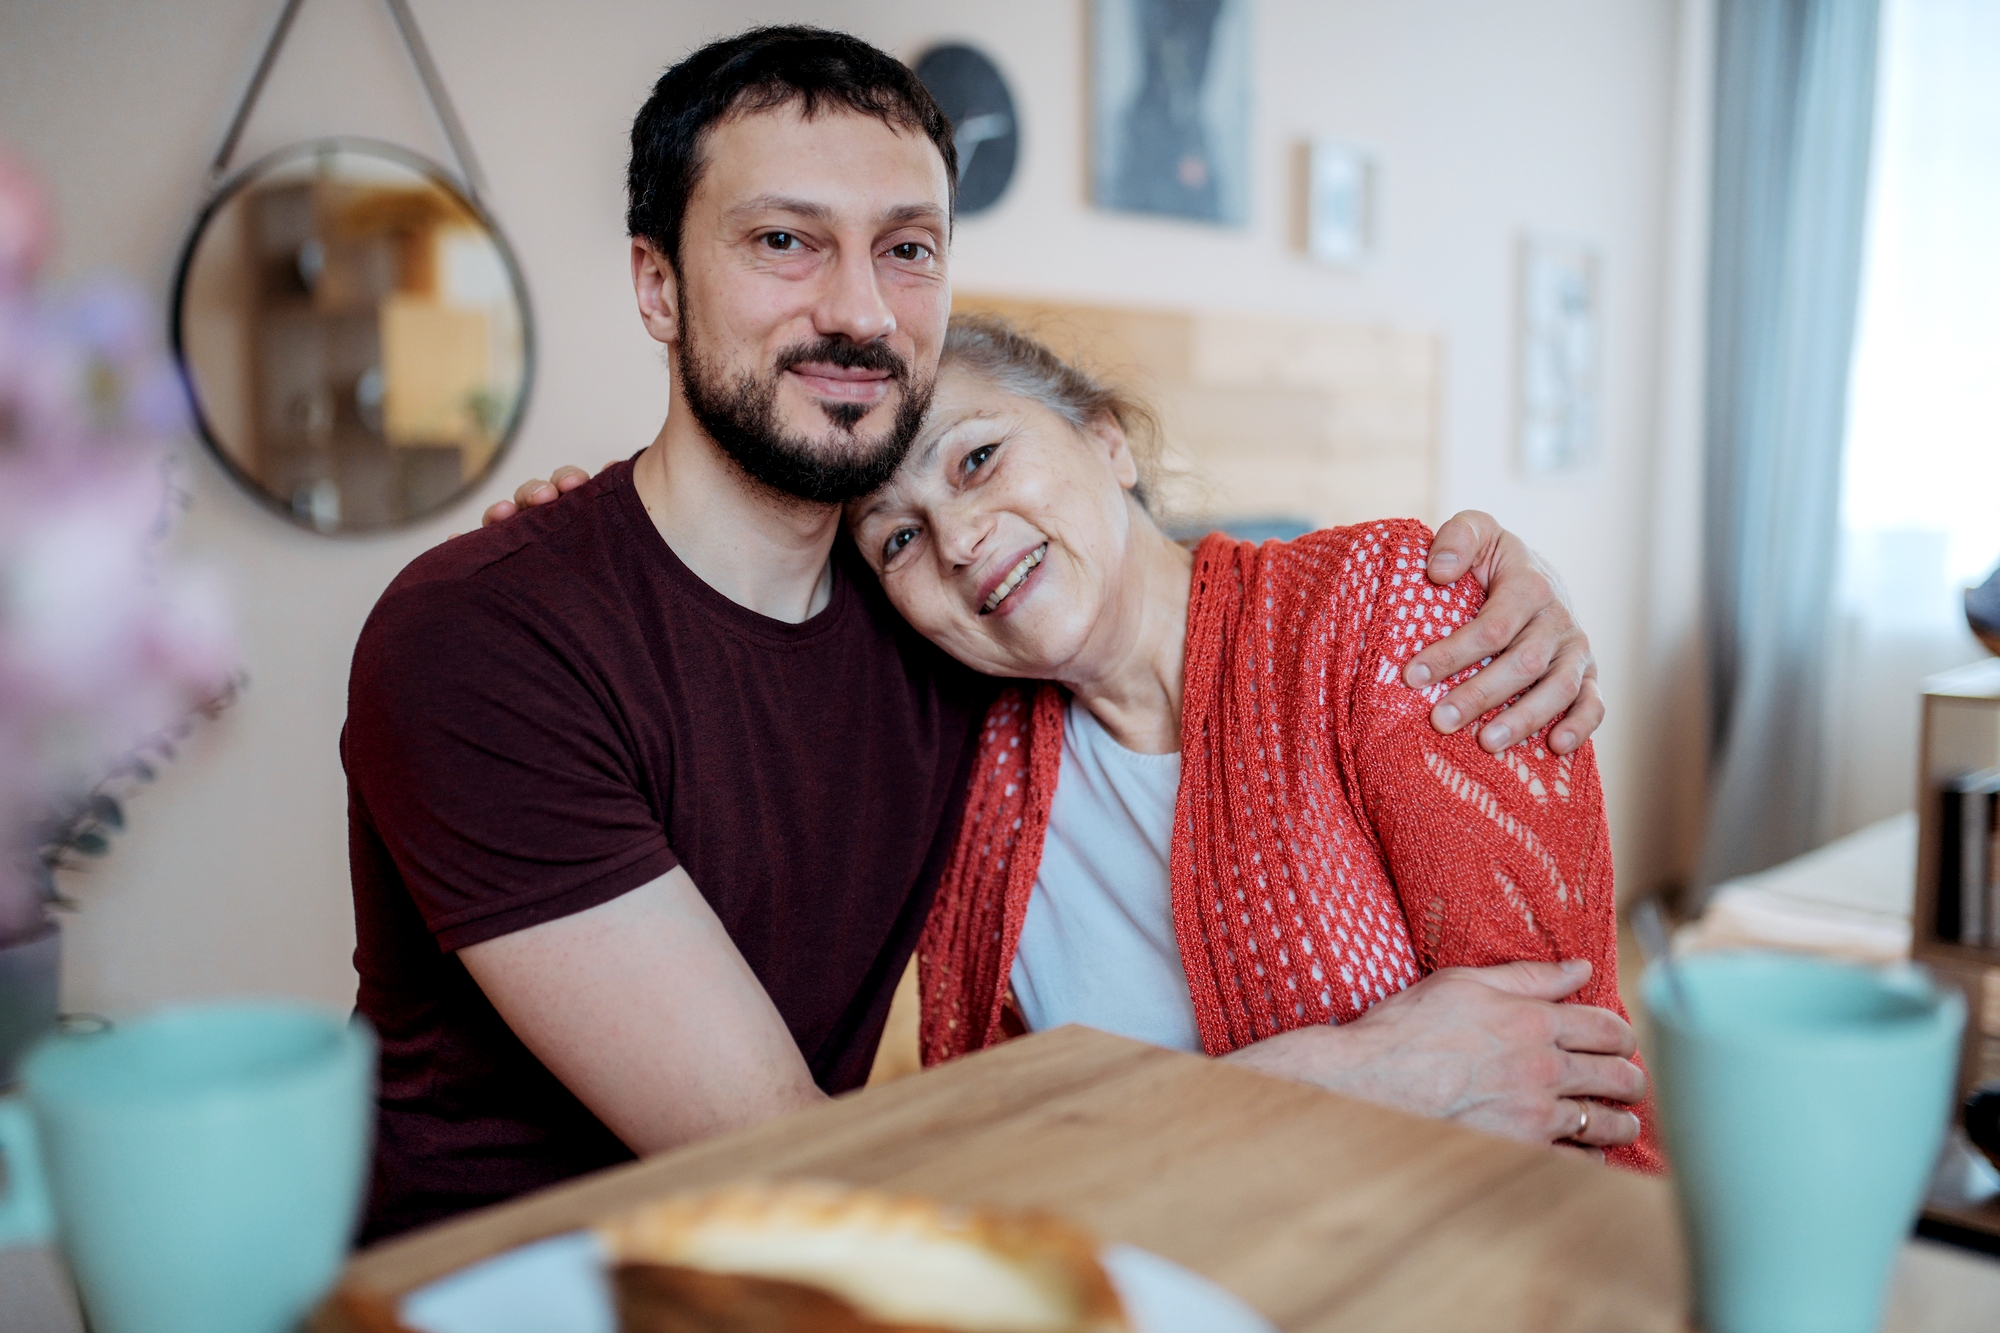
[(1322, 1212)]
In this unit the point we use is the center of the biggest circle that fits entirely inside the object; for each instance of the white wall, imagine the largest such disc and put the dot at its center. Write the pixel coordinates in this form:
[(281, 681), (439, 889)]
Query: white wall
[(1490, 118)]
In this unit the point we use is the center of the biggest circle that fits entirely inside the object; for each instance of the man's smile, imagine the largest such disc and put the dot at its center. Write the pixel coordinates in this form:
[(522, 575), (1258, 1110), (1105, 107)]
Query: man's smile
[(845, 384)]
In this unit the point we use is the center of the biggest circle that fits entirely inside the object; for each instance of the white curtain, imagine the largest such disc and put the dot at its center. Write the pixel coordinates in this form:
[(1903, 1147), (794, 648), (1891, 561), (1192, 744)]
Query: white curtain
[(1921, 505), (1794, 111)]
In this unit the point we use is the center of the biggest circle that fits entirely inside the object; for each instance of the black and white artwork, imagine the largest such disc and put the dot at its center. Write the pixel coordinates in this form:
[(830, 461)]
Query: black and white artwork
[(1170, 107)]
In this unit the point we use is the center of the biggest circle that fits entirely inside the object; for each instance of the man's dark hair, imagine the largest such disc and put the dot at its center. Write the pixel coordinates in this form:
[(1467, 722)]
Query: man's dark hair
[(761, 70)]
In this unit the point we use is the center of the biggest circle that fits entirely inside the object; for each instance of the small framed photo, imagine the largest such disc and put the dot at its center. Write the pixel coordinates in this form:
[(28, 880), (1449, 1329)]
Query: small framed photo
[(1340, 203), (1560, 353)]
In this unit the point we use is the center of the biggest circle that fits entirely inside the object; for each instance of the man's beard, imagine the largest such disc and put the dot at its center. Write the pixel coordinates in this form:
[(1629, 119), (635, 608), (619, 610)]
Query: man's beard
[(840, 465)]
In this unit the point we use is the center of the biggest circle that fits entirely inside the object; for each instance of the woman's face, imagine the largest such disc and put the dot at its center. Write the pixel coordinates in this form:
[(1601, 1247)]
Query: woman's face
[(1005, 535)]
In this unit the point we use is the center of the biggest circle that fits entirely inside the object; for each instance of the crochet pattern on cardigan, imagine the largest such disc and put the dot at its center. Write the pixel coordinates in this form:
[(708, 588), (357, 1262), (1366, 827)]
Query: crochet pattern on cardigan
[(1329, 846)]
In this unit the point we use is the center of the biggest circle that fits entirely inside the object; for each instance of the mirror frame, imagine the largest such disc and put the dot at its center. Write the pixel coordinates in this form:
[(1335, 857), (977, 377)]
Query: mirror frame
[(438, 176)]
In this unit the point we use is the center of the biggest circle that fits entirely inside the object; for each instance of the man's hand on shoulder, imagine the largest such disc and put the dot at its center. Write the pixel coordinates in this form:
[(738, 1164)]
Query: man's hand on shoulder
[(1488, 1047), (533, 492), (1527, 628)]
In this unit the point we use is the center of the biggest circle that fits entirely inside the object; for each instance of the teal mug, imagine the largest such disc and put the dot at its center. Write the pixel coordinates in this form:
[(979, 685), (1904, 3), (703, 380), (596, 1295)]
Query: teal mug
[(1803, 1102), (203, 1167)]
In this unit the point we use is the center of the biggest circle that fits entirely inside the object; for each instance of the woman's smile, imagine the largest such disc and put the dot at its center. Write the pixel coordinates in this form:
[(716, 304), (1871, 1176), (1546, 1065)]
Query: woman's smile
[(999, 598)]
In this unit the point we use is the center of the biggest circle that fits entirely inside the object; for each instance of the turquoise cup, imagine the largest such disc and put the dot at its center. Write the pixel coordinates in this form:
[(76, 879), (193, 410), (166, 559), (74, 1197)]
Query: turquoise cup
[(203, 1167), (1803, 1102)]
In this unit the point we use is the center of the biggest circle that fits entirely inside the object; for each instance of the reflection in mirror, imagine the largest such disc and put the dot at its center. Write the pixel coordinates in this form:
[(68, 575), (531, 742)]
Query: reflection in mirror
[(355, 334)]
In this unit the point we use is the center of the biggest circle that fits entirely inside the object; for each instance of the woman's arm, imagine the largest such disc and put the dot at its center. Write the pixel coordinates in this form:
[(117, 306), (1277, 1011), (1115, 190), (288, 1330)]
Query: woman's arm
[(1490, 1048)]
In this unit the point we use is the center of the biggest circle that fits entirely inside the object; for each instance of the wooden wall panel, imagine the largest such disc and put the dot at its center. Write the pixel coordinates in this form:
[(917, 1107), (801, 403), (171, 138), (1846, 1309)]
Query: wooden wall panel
[(1264, 415)]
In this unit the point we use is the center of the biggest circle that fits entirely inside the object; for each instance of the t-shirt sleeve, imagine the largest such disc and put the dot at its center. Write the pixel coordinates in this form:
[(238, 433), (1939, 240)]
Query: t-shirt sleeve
[(491, 762)]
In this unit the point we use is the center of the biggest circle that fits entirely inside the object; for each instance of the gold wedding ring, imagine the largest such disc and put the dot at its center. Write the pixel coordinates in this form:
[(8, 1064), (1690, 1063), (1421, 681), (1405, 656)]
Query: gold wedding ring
[(1582, 1117)]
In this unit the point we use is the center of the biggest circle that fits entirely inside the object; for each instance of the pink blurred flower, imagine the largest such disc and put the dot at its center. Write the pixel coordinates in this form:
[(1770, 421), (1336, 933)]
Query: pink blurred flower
[(102, 644), (27, 232)]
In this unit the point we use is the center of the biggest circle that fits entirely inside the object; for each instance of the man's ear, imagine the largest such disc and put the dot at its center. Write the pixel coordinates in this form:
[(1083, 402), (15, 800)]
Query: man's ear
[(1106, 432), (658, 290)]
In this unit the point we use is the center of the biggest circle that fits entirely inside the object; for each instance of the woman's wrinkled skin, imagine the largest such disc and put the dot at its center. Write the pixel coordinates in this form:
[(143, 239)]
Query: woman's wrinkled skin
[(996, 481)]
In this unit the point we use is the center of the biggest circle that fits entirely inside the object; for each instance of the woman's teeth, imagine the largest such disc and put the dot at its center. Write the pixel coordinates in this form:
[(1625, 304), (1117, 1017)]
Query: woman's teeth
[(1013, 580)]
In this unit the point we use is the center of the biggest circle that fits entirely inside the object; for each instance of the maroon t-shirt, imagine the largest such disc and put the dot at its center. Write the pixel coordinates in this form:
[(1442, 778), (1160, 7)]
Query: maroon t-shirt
[(550, 712)]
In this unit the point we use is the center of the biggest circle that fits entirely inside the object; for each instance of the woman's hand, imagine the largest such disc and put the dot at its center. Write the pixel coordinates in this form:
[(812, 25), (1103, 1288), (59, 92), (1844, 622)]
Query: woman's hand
[(1526, 627), (1488, 1047)]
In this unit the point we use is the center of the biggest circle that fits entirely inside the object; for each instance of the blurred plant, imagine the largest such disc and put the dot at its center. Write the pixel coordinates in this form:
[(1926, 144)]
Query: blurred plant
[(82, 825), (104, 647)]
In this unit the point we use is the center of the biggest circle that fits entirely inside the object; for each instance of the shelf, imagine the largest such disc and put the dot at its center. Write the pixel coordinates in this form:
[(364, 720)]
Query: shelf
[(1979, 680), (1974, 1226), (1965, 955), (1960, 733)]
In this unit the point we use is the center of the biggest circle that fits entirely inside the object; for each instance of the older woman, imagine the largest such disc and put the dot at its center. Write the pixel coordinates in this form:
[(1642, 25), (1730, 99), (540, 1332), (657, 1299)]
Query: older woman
[(1219, 816)]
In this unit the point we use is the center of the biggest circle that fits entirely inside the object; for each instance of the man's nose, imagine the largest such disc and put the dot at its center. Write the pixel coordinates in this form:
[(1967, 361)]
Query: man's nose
[(852, 306)]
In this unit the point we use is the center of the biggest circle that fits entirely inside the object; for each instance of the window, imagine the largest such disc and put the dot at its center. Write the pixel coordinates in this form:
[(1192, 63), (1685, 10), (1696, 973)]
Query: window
[(1921, 511)]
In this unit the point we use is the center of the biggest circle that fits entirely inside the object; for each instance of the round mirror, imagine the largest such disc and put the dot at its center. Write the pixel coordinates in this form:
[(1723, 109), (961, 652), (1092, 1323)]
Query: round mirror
[(355, 335)]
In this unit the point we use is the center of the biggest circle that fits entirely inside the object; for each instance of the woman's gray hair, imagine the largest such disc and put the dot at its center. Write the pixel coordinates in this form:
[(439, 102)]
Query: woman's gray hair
[(1015, 363)]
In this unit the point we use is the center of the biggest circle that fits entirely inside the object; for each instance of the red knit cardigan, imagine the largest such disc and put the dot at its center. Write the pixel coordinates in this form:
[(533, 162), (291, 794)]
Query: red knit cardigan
[(1329, 847)]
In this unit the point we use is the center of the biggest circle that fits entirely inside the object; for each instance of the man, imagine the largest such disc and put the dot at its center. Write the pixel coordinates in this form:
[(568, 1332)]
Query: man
[(650, 789)]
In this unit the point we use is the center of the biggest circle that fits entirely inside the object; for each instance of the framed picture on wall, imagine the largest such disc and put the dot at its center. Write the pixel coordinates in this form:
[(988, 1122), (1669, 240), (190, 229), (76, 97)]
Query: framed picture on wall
[(1170, 108), (1560, 353), (1340, 203)]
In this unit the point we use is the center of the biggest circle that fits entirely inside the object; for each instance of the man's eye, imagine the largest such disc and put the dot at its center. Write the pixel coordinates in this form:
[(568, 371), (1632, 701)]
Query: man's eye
[(898, 539), (782, 241), (910, 252), (977, 458)]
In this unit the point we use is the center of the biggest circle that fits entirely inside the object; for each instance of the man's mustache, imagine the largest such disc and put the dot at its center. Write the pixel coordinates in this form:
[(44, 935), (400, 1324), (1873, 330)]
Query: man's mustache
[(848, 355)]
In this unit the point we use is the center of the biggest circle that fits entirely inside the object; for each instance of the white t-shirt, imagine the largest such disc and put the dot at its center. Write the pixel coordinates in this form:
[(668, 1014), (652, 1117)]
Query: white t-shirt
[(1098, 944)]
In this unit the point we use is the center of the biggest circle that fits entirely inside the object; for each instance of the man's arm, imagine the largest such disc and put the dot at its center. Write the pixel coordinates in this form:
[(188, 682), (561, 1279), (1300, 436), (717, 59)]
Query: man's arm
[(501, 789), (1487, 1047), (645, 1010), (1527, 627)]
